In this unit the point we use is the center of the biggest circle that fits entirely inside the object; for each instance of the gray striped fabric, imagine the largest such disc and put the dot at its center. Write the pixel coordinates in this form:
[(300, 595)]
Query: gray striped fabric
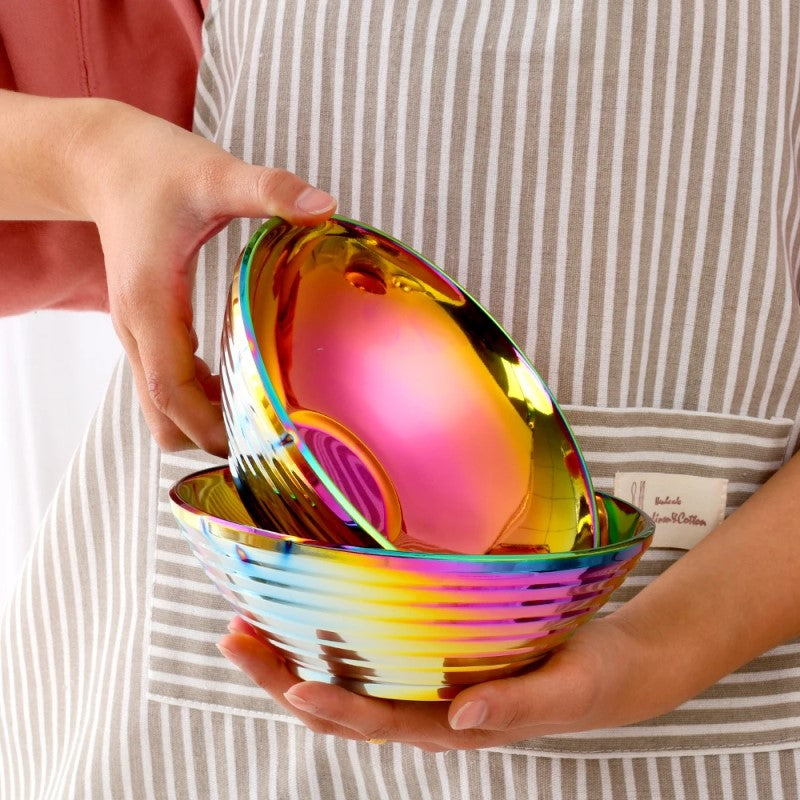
[(616, 182)]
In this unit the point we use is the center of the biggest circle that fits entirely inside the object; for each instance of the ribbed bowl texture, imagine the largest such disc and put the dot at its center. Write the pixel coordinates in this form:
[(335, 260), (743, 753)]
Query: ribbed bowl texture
[(402, 625)]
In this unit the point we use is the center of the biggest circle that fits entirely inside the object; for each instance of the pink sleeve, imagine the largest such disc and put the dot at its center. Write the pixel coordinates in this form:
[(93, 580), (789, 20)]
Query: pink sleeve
[(143, 52)]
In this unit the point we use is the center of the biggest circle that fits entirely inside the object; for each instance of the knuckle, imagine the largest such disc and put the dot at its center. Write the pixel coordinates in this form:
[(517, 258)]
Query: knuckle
[(161, 393), (273, 182), (318, 726), (129, 295), (379, 732), (508, 715)]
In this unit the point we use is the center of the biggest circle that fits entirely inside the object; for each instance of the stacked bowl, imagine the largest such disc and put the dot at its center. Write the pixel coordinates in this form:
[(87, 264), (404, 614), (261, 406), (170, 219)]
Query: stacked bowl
[(406, 511)]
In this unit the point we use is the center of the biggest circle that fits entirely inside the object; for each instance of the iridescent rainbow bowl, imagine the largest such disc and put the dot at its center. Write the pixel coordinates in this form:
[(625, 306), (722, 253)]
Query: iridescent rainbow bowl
[(399, 624), (368, 399)]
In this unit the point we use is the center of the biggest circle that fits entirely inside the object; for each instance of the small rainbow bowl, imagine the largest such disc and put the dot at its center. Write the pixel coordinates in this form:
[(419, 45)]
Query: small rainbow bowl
[(396, 624), (369, 400)]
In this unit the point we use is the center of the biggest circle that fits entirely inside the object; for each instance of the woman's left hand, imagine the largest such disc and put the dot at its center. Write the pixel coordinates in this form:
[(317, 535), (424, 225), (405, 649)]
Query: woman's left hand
[(679, 635), (583, 685)]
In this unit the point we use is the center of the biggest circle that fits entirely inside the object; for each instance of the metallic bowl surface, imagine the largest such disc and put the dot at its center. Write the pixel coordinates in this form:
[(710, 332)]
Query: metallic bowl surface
[(368, 399), (402, 625)]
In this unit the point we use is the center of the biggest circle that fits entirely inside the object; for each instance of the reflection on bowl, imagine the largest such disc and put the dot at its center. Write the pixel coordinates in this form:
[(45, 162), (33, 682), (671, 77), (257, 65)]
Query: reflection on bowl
[(403, 625), (369, 400)]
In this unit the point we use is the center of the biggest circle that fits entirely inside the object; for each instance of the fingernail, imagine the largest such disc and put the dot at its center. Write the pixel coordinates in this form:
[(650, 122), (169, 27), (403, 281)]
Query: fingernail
[(300, 703), (315, 201), (239, 625), (470, 715)]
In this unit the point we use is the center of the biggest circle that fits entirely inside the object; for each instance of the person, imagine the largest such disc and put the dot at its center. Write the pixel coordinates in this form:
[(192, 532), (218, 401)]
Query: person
[(615, 185)]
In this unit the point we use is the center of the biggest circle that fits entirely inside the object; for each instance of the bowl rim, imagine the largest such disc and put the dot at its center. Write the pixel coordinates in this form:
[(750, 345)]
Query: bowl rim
[(245, 270), (181, 507)]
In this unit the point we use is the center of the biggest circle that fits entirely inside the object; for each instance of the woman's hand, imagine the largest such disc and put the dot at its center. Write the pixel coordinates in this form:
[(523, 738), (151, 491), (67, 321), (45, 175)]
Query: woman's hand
[(586, 684), (732, 597), (162, 192), (156, 193)]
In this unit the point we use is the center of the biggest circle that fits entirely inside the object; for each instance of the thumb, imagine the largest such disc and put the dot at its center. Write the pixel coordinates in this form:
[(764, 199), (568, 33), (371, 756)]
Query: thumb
[(248, 190), (596, 679), (554, 696)]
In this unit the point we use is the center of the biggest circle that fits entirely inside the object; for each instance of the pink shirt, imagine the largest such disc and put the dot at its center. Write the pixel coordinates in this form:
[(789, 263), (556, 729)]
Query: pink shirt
[(143, 52)]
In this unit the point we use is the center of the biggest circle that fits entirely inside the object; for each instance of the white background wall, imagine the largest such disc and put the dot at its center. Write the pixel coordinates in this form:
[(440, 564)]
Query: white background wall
[(54, 367)]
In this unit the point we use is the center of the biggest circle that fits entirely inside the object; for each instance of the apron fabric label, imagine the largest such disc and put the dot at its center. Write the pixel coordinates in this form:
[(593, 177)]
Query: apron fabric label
[(684, 507)]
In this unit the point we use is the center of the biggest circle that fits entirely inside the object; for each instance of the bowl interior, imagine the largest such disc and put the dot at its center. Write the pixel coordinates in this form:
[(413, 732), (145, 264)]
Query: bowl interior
[(404, 408), (414, 626), (209, 499)]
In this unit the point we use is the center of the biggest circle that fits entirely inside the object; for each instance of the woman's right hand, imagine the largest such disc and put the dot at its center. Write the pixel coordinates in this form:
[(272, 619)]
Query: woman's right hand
[(156, 193), (162, 193)]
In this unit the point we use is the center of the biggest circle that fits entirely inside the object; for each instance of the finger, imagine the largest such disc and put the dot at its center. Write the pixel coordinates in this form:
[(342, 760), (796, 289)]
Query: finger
[(264, 666), (241, 625), (247, 190), (374, 718), (170, 375), (210, 383), (260, 662), (166, 433)]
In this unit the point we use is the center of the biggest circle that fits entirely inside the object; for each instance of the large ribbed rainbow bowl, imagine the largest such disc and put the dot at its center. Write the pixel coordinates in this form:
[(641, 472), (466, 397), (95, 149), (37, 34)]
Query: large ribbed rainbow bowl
[(398, 624)]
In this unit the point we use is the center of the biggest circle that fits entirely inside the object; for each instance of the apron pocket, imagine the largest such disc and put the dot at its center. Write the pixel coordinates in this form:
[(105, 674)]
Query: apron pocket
[(755, 708)]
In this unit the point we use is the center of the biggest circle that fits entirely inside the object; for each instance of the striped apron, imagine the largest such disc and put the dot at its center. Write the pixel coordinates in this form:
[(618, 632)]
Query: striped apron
[(617, 183)]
